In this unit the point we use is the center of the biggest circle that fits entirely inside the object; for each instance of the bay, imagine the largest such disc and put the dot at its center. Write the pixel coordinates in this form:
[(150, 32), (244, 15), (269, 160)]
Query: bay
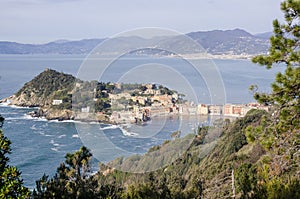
[(38, 146)]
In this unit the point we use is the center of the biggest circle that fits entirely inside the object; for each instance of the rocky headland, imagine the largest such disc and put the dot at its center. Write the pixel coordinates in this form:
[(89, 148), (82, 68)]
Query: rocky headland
[(60, 96)]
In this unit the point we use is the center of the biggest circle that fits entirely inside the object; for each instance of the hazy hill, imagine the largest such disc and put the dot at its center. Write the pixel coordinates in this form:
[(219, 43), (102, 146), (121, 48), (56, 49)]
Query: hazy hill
[(235, 41), (215, 42), (265, 35), (66, 47)]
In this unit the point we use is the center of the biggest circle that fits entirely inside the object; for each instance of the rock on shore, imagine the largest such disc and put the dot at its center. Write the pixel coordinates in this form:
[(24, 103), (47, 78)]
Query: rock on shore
[(52, 114)]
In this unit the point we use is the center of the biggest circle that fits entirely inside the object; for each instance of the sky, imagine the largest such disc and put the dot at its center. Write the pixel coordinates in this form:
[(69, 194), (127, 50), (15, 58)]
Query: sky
[(42, 21)]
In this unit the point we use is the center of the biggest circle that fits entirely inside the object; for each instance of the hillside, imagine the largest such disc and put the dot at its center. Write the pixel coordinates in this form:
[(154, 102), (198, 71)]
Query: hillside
[(215, 42), (40, 90), (230, 166), (258, 171), (235, 42)]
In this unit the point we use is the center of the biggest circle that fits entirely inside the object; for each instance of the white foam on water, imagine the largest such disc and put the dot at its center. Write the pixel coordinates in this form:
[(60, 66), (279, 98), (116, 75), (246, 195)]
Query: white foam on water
[(33, 127), (65, 121), (22, 107), (110, 127), (75, 136), (61, 136), (41, 119), (54, 149), (5, 103), (128, 133)]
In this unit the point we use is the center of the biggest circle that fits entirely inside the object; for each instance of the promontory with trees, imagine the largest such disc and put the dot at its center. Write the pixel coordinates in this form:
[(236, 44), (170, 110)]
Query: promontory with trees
[(63, 97)]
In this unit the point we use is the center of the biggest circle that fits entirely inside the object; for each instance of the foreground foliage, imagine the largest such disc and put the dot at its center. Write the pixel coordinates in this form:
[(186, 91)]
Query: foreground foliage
[(257, 156), (11, 183), (192, 175)]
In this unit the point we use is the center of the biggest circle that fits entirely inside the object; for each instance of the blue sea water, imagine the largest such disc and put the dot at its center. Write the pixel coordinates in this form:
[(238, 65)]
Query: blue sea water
[(38, 146)]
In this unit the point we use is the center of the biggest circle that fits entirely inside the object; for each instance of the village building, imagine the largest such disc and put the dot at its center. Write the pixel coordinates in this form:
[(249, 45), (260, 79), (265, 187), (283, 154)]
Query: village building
[(202, 109), (85, 109), (57, 102), (215, 109)]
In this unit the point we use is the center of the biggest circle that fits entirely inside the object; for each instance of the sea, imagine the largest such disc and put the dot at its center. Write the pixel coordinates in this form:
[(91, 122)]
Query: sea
[(39, 146)]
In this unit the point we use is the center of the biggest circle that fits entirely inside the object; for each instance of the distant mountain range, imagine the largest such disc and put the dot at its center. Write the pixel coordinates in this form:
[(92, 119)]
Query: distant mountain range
[(216, 42)]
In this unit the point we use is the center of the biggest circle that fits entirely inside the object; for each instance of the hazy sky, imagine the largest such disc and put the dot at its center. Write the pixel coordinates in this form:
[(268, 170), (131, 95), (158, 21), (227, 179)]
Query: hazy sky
[(41, 21)]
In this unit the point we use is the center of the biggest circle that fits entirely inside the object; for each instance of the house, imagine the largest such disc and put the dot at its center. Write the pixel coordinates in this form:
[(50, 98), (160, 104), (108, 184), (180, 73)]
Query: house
[(85, 109), (57, 102), (228, 109), (215, 109), (238, 110), (202, 109), (234, 110)]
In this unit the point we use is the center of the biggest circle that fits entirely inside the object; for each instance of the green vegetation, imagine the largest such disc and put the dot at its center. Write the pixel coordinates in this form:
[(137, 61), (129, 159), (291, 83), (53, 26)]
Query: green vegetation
[(203, 170), (70, 181), (257, 156), (284, 50), (40, 90), (53, 91), (11, 183)]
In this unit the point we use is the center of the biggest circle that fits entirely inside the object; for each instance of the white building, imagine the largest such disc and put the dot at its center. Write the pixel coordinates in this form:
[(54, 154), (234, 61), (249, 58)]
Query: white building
[(85, 109), (57, 102)]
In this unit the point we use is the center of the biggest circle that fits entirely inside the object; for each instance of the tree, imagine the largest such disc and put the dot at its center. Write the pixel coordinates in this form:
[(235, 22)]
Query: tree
[(279, 133), (70, 180), (284, 50), (11, 183), (246, 179)]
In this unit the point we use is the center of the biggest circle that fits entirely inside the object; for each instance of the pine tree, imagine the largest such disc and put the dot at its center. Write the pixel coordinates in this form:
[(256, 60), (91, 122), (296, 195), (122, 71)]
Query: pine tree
[(280, 132), (284, 50), (70, 180), (11, 183)]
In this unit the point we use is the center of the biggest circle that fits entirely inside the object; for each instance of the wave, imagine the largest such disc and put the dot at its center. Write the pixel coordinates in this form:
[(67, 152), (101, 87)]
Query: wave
[(55, 144), (93, 122), (22, 107), (128, 133), (7, 104), (26, 117), (55, 149), (33, 127), (61, 136), (44, 134), (110, 127), (40, 119), (123, 128), (65, 121)]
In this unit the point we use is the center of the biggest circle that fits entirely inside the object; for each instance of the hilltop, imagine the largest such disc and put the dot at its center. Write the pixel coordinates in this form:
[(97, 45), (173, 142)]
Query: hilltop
[(42, 89)]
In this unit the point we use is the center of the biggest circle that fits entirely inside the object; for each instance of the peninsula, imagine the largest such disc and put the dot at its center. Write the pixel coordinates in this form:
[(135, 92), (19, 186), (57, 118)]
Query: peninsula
[(60, 96)]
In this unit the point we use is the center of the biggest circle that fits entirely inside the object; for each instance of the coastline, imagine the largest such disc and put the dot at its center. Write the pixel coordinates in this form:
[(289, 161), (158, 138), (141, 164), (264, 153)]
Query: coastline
[(213, 56)]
